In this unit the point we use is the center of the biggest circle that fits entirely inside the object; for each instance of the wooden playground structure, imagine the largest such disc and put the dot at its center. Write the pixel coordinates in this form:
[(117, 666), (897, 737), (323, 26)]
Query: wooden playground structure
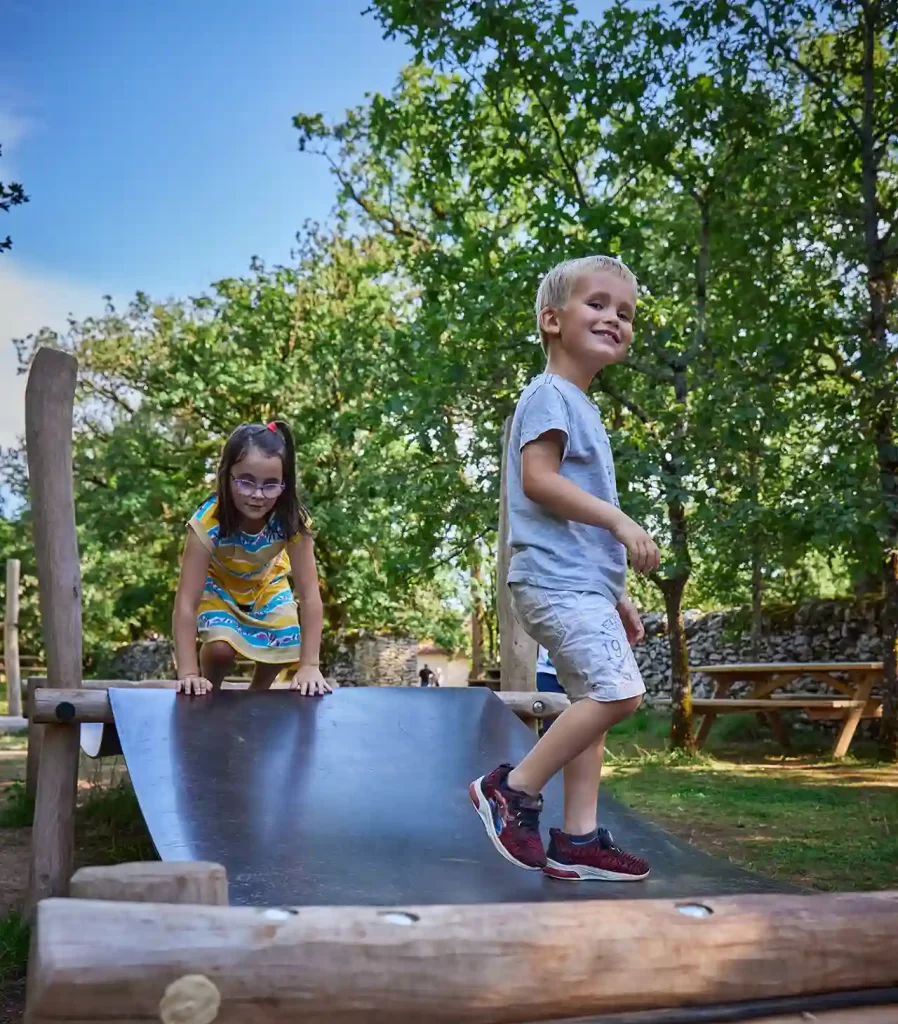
[(158, 942)]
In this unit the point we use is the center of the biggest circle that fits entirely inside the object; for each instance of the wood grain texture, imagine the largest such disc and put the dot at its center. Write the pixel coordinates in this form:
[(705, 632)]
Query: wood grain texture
[(196, 882), (11, 639), (49, 400), (459, 964), (517, 652)]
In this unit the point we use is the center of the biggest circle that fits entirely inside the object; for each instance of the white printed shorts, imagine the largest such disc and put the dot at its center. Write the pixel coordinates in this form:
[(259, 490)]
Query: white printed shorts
[(585, 638)]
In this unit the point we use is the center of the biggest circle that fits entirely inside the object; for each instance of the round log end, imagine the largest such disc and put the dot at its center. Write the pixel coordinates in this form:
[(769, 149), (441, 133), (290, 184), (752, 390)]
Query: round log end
[(65, 711), (192, 999)]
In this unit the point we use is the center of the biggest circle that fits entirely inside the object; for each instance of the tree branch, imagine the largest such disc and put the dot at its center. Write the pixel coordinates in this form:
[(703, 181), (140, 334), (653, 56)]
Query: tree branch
[(809, 73)]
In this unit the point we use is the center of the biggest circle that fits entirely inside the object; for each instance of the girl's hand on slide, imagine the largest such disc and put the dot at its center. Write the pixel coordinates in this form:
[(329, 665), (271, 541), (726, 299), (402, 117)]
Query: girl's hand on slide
[(632, 621), (194, 684), (310, 682)]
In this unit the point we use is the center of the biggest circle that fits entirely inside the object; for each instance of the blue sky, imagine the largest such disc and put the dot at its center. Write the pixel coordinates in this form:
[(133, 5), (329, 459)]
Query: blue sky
[(156, 144)]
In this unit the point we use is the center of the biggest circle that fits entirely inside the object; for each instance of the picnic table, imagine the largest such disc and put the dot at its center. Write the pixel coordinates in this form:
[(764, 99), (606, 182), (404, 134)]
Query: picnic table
[(853, 682)]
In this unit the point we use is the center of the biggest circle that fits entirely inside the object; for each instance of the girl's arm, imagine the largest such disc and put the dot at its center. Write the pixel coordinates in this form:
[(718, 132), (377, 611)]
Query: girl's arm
[(194, 569), (305, 580)]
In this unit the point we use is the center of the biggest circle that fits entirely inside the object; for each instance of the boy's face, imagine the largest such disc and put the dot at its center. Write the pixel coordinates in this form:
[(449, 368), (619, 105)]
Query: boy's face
[(595, 326)]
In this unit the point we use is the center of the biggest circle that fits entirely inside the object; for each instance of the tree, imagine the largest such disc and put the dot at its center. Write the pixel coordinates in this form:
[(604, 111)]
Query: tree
[(521, 137), (162, 386), (11, 195), (835, 62)]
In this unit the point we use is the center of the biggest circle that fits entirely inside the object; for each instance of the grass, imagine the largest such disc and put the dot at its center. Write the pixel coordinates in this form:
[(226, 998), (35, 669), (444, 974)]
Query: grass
[(17, 809), (800, 817), (109, 827), (14, 938)]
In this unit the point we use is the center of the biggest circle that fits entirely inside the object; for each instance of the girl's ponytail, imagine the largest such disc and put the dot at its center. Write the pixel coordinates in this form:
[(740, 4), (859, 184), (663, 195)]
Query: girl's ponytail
[(294, 515)]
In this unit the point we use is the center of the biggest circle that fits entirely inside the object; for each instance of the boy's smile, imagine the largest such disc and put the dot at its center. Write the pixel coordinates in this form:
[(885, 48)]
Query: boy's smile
[(593, 329)]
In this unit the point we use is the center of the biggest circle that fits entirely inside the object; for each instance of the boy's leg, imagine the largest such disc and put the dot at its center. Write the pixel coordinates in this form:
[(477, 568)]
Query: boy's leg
[(577, 729), (582, 777), (216, 661), (588, 645), (264, 675)]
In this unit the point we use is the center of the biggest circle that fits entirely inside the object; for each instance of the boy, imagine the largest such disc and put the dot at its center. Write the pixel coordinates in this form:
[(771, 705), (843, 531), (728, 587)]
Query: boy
[(569, 542)]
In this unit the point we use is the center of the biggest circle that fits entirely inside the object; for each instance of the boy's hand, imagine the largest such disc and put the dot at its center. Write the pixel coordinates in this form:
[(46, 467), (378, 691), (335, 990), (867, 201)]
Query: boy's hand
[(643, 551), (194, 683), (310, 682), (630, 617)]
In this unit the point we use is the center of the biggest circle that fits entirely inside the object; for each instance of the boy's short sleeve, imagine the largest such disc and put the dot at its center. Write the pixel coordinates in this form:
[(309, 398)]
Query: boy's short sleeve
[(545, 410), (204, 523)]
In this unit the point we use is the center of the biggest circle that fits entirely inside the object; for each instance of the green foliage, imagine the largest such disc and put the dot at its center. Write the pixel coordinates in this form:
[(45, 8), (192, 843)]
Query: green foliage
[(18, 807), (11, 195), (15, 936), (324, 346)]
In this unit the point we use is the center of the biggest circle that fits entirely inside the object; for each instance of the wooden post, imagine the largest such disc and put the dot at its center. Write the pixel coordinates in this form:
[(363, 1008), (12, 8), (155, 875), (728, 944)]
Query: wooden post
[(517, 652), (194, 882), (49, 403), (482, 964), (35, 739), (11, 639)]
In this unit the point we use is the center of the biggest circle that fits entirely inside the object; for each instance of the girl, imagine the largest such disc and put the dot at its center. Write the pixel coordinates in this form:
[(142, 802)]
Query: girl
[(233, 591)]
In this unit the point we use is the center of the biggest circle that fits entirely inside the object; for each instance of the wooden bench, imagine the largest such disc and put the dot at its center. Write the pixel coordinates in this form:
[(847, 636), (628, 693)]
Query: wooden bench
[(853, 702)]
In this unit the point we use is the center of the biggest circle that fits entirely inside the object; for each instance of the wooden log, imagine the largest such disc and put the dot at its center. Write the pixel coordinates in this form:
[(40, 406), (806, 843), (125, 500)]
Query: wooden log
[(517, 652), (491, 964), (194, 882), (11, 639), (49, 401), (51, 706), (70, 706), (534, 705)]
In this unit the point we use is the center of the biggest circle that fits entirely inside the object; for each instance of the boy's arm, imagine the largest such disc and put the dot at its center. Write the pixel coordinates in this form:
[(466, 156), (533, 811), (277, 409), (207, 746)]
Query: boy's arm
[(542, 483)]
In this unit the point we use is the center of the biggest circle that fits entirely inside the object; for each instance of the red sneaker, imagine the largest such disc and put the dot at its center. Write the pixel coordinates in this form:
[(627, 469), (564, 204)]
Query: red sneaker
[(598, 861), (511, 819)]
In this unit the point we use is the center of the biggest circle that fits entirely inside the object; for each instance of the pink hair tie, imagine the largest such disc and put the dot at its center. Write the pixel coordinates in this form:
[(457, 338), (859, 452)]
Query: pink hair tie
[(273, 427)]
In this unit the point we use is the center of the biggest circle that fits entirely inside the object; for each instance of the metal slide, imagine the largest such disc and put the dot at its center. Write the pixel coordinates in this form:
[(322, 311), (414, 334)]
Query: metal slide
[(360, 797)]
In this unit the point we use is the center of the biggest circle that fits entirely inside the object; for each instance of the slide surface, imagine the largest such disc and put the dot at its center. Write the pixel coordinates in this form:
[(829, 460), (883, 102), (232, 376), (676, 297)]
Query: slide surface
[(361, 797)]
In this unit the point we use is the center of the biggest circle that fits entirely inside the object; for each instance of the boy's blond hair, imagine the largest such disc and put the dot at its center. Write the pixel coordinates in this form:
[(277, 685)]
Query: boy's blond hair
[(556, 287)]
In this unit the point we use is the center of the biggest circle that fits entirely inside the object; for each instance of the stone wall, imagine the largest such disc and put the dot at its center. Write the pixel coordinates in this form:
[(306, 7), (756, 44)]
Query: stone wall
[(819, 631), (375, 660)]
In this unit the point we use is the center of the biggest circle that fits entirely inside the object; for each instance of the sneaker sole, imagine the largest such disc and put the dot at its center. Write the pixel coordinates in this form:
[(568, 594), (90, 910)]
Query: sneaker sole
[(581, 873), (482, 806)]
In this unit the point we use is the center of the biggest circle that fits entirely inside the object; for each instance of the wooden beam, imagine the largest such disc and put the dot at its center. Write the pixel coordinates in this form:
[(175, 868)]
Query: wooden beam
[(534, 705), (191, 882), (517, 652), (49, 403), (11, 639), (51, 706), (484, 964)]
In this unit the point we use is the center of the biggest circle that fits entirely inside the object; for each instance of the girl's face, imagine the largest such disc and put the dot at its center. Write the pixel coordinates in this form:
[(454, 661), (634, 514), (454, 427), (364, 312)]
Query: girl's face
[(257, 481)]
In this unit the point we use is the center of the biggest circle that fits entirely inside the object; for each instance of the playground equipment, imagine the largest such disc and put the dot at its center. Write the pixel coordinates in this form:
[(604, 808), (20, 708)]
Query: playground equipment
[(368, 890)]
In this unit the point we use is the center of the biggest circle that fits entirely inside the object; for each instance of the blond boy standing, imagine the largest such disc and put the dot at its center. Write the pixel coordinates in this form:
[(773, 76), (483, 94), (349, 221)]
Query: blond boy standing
[(570, 543)]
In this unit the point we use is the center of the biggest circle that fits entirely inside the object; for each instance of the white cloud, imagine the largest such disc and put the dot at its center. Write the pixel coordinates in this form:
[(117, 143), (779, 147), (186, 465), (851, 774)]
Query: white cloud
[(30, 300)]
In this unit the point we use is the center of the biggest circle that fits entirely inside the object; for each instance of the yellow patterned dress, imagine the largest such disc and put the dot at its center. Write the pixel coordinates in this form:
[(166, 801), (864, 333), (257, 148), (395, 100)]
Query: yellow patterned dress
[(247, 600)]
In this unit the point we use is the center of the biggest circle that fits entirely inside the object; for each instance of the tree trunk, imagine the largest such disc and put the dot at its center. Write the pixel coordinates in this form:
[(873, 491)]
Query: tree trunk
[(880, 289), (476, 615), (681, 734), (757, 562)]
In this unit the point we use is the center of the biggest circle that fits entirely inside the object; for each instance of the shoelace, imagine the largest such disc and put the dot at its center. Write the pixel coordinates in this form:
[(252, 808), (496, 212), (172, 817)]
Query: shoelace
[(606, 841)]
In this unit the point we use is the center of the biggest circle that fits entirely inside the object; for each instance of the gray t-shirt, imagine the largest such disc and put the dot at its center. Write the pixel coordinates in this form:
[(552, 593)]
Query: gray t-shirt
[(546, 551)]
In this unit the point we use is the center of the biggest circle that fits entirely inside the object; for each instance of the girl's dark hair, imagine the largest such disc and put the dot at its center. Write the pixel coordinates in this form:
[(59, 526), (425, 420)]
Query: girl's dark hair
[(292, 516)]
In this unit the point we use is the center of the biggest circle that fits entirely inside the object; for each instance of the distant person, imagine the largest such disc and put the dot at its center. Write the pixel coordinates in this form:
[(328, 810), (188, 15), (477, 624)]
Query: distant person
[(546, 680), (234, 592), (570, 542), (426, 675)]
